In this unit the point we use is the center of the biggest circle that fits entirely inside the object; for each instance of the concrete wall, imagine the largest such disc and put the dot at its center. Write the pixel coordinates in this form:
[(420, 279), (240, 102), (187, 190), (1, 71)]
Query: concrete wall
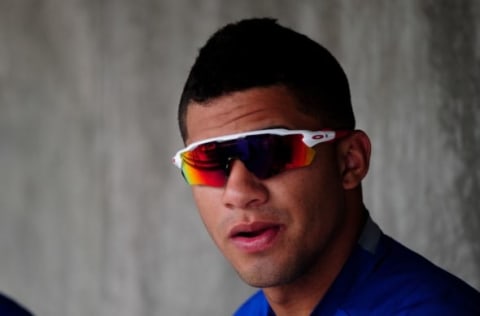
[(94, 220)]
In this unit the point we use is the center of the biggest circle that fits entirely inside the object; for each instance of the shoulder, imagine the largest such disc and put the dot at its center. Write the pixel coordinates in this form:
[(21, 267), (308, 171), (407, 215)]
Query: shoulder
[(256, 305), (405, 283), (8, 307)]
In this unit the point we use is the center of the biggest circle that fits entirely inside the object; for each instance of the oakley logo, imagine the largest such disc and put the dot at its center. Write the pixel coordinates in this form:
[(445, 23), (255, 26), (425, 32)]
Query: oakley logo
[(319, 136)]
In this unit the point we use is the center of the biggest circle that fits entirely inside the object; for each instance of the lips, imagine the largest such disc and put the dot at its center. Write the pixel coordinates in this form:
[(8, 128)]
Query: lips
[(254, 237)]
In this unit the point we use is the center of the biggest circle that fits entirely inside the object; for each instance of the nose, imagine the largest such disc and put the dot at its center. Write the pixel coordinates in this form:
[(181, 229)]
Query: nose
[(243, 189)]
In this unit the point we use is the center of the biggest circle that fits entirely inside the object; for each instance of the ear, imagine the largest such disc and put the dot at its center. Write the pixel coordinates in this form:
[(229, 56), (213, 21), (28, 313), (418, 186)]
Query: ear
[(354, 158)]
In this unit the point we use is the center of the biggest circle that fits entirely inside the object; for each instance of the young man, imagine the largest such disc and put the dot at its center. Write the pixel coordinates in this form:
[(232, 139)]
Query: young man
[(276, 165)]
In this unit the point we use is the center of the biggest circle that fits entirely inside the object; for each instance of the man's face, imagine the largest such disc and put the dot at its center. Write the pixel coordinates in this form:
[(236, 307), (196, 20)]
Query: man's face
[(276, 230)]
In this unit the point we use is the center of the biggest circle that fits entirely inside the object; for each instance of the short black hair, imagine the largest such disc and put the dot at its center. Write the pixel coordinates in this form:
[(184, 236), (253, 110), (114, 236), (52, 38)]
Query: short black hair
[(259, 52)]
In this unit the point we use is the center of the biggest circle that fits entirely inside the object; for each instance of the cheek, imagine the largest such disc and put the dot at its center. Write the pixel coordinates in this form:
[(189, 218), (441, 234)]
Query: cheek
[(314, 196), (208, 204)]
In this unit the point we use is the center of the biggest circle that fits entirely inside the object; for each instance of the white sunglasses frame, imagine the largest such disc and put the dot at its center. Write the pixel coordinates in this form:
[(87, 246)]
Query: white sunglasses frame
[(310, 138)]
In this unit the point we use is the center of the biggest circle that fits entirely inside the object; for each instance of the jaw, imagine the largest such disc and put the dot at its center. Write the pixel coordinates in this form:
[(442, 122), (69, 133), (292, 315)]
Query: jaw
[(300, 296)]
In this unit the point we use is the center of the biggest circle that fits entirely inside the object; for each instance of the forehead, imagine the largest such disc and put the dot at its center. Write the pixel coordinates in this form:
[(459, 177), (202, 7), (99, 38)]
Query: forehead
[(252, 109)]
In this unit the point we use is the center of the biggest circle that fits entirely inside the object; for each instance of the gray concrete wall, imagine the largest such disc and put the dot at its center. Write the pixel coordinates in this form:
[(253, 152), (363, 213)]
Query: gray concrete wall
[(94, 220)]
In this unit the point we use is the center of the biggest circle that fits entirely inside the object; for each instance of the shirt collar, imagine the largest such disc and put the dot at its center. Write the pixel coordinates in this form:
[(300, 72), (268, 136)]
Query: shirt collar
[(370, 236)]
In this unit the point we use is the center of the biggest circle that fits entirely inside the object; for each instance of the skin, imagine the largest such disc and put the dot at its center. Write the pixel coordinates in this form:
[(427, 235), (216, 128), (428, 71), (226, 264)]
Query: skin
[(313, 214)]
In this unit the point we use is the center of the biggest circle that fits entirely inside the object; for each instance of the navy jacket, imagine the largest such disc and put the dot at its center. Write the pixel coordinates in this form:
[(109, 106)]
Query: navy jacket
[(10, 308)]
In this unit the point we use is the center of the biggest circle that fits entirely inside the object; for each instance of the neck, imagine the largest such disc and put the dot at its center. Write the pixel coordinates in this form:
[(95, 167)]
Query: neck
[(301, 296)]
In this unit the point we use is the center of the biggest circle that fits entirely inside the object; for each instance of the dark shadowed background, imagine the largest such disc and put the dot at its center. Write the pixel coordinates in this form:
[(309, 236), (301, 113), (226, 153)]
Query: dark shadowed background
[(94, 219)]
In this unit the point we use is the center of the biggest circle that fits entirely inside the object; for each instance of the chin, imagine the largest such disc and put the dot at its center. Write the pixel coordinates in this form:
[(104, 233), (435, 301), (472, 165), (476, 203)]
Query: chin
[(266, 277)]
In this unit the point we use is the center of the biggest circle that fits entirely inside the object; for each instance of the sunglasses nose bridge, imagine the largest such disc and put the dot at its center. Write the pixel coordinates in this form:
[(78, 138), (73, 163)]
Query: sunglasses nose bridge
[(255, 156), (238, 152), (245, 169), (228, 165), (231, 160)]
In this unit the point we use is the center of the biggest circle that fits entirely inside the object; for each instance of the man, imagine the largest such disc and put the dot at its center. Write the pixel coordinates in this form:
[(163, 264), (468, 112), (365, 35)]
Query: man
[(276, 165)]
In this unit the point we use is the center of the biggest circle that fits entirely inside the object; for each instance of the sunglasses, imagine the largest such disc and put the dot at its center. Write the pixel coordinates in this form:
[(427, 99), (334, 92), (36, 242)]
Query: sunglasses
[(265, 153)]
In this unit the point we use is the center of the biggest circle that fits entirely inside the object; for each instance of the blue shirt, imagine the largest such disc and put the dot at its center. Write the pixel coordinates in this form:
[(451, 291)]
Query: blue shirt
[(10, 308), (382, 277)]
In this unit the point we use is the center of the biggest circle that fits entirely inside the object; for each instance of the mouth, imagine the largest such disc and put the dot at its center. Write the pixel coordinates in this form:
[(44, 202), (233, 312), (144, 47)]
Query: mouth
[(254, 237)]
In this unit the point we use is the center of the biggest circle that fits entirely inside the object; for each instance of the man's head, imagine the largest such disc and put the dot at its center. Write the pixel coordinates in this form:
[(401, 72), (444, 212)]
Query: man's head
[(297, 224), (261, 53)]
